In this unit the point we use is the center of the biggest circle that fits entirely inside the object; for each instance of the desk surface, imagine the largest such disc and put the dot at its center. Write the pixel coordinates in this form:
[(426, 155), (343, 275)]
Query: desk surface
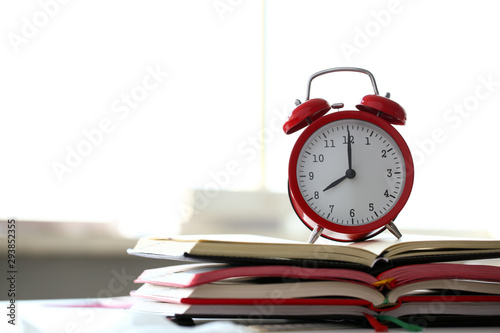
[(110, 316)]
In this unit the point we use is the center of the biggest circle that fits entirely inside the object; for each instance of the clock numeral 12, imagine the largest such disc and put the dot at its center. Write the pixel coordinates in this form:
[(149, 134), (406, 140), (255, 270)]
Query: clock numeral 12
[(351, 138)]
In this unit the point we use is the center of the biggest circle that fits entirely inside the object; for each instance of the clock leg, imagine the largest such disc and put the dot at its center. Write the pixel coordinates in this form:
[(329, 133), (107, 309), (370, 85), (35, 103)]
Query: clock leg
[(393, 229), (315, 234)]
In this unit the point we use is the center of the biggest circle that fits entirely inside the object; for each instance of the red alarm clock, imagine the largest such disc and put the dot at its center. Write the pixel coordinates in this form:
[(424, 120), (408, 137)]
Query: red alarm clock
[(350, 172)]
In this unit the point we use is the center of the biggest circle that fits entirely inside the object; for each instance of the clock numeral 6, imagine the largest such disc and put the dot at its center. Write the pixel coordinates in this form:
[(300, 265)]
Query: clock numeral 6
[(352, 213)]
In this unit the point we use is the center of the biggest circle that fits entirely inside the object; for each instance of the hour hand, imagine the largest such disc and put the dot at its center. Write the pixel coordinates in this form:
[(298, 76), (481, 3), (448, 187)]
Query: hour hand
[(335, 183), (350, 173)]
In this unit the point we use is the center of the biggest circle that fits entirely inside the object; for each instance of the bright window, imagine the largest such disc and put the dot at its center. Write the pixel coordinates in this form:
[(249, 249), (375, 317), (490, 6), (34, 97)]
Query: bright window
[(112, 110)]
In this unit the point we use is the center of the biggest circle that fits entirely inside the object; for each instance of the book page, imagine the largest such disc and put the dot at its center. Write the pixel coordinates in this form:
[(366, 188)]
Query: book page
[(410, 242), (238, 238)]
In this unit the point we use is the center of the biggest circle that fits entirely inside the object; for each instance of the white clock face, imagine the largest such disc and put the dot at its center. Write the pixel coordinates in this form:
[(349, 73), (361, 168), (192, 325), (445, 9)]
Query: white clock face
[(351, 172)]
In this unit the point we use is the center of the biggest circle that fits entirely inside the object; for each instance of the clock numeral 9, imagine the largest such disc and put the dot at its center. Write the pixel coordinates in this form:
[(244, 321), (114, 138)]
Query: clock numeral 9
[(318, 158), (311, 175)]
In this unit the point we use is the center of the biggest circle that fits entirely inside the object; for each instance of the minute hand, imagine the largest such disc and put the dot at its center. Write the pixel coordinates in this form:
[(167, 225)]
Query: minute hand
[(349, 149)]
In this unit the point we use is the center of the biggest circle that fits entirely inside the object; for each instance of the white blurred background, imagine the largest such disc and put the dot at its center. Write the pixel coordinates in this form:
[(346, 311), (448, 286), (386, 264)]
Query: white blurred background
[(151, 115)]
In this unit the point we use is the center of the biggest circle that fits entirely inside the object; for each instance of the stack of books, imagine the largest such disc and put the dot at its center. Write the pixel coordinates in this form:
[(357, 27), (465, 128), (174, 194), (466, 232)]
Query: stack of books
[(412, 283)]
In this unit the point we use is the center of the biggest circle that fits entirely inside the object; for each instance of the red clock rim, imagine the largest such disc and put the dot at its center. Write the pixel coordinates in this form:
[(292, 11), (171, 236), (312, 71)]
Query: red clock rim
[(307, 214)]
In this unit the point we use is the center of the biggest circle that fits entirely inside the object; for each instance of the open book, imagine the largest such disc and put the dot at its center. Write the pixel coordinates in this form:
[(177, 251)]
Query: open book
[(451, 313), (249, 249), (237, 276), (293, 287), (192, 275), (224, 284)]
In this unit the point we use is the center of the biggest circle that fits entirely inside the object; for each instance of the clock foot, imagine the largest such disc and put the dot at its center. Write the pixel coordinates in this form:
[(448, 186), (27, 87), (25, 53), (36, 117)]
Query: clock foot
[(393, 229), (315, 234)]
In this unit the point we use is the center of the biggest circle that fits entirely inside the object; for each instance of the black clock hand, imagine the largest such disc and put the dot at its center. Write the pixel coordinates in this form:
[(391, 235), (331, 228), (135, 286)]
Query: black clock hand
[(349, 150), (350, 173), (335, 183)]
